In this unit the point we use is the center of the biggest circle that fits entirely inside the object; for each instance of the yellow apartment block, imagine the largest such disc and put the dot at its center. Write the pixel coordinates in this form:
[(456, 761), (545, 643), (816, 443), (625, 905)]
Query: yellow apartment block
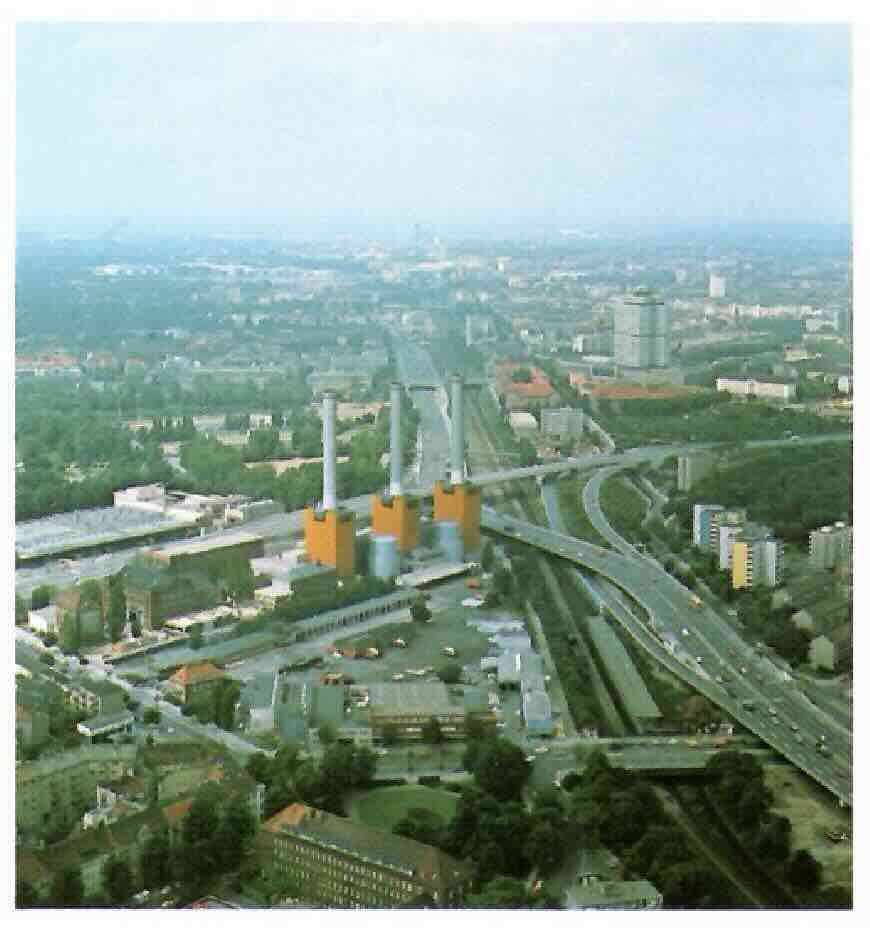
[(740, 565), (459, 504), (398, 516), (329, 539)]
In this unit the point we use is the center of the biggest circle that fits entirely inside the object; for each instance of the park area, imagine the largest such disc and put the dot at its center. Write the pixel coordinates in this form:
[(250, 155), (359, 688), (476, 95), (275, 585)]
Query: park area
[(387, 806), (813, 814)]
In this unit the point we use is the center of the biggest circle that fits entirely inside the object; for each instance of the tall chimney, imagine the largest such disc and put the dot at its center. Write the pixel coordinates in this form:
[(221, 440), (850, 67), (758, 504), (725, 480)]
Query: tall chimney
[(457, 432), (395, 439), (329, 451)]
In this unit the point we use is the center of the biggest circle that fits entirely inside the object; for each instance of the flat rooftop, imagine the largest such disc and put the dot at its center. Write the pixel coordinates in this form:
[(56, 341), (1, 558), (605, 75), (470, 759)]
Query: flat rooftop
[(205, 543), (88, 528), (408, 698), (434, 572)]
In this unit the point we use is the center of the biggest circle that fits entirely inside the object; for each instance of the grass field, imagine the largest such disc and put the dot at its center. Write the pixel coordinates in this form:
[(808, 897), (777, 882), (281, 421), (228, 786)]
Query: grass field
[(387, 806)]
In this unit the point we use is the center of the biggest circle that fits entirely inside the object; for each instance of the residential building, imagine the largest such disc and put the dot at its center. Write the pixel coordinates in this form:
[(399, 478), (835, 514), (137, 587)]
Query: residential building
[(45, 620), (592, 893), (704, 516), (336, 861), (724, 528), (523, 423), (93, 697), (641, 331), (769, 390), (535, 393), (756, 558), (830, 545), (564, 422), (194, 682), (718, 286), (832, 651), (55, 791)]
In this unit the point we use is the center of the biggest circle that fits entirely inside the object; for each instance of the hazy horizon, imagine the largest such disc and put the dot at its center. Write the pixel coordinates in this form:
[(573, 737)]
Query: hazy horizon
[(386, 125)]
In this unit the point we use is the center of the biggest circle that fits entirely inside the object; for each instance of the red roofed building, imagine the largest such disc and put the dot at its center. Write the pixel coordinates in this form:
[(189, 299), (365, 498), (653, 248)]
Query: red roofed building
[(339, 862), (536, 393), (193, 681)]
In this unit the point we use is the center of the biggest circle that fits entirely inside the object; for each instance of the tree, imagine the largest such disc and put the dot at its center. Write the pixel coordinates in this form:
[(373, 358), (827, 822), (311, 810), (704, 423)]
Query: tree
[(41, 596), (504, 892), (327, 733), (151, 716), (70, 634), (501, 769), (432, 733), (420, 612), (487, 556), (118, 880), (68, 889), (450, 673), (804, 871), (503, 582), (690, 885), (773, 843), (236, 833), (26, 896), (116, 614), (226, 696), (197, 853), (20, 611), (195, 641)]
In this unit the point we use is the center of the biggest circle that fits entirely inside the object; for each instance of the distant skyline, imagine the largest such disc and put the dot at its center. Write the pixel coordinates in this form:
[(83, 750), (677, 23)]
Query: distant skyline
[(447, 124)]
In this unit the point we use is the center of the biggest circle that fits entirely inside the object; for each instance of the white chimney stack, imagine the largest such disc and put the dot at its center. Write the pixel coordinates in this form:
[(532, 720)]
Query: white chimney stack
[(395, 439), (329, 451), (457, 432)]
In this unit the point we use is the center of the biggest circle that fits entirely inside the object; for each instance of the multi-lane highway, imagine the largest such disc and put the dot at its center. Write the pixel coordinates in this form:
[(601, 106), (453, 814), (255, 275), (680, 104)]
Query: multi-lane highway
[(752, 688)]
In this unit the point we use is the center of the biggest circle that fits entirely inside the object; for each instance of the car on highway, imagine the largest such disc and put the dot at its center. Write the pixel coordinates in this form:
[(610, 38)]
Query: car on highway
[(684, 632)]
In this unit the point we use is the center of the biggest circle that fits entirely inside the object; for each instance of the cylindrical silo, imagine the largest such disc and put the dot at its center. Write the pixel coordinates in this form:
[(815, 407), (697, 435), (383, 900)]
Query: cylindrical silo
[(329, 501), (450, 540), (457, 432), (395, 439), (385, 561)]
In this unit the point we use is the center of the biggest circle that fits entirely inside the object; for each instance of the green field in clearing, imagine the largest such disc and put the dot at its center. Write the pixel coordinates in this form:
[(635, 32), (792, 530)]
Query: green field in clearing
[(387, 806)]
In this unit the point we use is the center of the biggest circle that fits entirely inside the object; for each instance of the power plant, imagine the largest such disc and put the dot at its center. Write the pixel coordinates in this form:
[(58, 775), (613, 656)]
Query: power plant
[(330, 534), (395, 516), (457, 503)]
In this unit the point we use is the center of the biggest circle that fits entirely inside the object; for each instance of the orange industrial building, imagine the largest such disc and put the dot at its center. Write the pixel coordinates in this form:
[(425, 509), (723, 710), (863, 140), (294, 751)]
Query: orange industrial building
[(459, 503), (330, 534), (398, 516), (329, 539)]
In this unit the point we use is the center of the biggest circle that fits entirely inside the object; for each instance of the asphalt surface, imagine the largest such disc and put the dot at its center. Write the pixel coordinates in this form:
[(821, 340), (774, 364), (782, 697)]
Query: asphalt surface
[(721, 651)]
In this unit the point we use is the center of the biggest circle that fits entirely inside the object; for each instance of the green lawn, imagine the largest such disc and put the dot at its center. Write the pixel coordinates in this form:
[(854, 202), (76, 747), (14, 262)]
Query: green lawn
[(387, 806)]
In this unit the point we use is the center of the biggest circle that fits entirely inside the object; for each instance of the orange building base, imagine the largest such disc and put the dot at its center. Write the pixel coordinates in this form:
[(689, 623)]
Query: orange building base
[(459, 504), (330, 538), (398, 516)]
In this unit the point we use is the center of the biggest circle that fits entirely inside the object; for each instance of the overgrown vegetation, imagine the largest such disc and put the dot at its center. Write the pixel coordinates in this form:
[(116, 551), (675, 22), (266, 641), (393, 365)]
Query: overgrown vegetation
[(793, 489)]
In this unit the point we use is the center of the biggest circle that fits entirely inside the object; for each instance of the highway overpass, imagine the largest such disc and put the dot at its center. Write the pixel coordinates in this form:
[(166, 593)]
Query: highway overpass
[(752, 689)]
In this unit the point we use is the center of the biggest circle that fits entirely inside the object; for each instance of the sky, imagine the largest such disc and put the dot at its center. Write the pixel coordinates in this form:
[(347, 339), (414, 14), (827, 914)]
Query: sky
[(581, 124)]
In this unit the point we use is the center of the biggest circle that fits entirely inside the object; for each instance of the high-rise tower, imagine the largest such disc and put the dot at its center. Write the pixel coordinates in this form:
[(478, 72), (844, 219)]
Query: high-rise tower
[(329, 530), (642, 331), (458, 502), (394, 514)]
